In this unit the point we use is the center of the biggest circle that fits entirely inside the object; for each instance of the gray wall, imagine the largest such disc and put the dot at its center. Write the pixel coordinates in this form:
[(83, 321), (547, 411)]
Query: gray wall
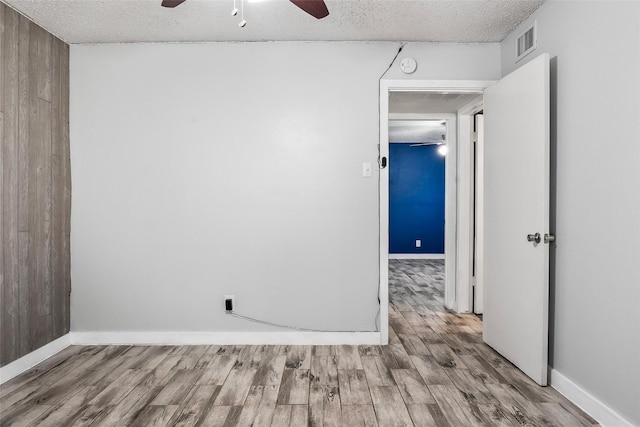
[(595, 320), (209, 169), (35, 176)]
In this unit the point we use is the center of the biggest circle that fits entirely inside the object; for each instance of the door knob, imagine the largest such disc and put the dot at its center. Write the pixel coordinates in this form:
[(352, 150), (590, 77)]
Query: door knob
[(548, 238), (533, 238)]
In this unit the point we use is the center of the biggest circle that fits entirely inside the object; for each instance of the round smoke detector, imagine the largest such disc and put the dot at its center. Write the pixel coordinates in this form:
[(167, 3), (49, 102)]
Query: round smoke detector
[(408, 65)]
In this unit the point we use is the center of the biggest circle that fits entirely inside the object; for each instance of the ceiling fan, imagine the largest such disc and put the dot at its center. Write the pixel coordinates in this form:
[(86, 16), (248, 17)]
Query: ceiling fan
[(316, 8), (430, 141)]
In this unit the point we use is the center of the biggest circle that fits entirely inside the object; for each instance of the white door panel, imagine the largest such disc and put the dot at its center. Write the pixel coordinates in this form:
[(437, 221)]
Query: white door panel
[(516, 203)]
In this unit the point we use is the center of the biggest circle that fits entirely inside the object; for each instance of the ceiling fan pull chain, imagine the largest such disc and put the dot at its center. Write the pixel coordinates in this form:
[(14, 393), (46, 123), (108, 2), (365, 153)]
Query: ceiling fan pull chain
[(242, 23)]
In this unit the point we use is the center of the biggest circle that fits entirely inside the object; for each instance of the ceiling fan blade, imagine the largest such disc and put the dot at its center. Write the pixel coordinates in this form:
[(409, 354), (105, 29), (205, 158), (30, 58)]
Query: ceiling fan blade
[(424, 144), (172, 3), (315, 8)]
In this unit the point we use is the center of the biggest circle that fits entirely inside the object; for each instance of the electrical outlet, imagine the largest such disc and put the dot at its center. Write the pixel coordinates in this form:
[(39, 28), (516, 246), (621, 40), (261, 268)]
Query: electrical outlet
[(229, 303), (418, 243)]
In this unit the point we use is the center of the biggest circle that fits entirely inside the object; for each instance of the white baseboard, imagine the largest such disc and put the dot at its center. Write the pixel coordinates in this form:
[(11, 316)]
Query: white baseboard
[(606, 416), (226, 338), (30, 360), (416, 256), (25, 363)]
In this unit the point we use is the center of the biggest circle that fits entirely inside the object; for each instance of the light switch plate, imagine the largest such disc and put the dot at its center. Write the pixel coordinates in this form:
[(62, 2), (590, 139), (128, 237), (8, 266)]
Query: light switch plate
[(366, 170)]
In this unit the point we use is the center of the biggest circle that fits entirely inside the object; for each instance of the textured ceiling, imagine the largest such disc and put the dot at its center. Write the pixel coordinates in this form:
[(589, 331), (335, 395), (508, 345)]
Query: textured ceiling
[(99, 21)]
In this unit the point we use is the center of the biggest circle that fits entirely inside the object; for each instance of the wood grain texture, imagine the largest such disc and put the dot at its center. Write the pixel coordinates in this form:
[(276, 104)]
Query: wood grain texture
[(324, 394), (10, 347), (359, 415), (298, 356), (294, 389), (270, 370), (236, 386), (451, 379), (259, 406), (177, 388), (354, 389), (196, 406), (389, 406), (421, 416), (36, 187), (412, 387), (155, 416)]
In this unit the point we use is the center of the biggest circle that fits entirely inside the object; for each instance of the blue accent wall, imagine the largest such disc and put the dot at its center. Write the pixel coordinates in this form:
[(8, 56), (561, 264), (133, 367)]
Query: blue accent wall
[(416, 199)]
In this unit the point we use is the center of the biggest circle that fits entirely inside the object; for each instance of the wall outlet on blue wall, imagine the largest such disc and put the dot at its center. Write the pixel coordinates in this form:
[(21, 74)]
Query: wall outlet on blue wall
[(418, 243)]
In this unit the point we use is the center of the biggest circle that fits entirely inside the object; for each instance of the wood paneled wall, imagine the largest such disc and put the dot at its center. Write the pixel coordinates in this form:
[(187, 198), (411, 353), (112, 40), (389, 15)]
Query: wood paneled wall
[(36, 186)]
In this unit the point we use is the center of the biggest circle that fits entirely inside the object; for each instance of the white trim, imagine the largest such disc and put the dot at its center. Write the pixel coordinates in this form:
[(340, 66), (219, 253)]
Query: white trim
[(473, 107), (30, 360), (606, 416), (450, 210), (465, 222), (478, 302), (416, 256), (383, 212), (464, 215), (455, 86), (225, 338)]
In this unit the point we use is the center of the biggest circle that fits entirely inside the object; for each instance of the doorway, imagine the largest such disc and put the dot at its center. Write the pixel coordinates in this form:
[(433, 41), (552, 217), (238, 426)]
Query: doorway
[(516, 211), (435, 100), (417, 157)]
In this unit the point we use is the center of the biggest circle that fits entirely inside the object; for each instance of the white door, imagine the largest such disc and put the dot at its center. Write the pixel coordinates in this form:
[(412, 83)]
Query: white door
[(516, 215)]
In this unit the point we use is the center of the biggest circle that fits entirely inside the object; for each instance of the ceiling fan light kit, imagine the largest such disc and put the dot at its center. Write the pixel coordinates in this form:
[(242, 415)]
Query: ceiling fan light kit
[(316, 8)]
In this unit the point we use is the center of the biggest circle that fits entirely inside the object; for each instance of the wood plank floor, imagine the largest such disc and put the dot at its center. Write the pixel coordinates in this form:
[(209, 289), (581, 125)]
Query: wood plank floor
[(435, 371)]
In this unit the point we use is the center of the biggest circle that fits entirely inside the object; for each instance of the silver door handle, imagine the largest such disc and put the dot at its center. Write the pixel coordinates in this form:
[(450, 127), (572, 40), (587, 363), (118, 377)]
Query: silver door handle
[(548, 238), (533, 238)]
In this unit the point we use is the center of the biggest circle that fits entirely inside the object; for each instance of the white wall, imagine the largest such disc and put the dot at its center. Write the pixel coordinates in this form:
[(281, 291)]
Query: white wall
[(595, 294), (450, 61), (208, 169)]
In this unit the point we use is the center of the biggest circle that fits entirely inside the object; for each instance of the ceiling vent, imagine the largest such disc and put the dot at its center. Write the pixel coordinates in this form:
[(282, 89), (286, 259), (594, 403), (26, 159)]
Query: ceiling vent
[(526, 43)]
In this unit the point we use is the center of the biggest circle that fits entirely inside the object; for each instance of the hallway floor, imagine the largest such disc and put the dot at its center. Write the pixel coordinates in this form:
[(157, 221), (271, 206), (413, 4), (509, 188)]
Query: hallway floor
[(435, 371)]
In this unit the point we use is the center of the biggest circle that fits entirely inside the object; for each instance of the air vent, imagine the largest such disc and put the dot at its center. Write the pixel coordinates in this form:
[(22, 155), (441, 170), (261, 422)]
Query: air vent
[(526, 43)]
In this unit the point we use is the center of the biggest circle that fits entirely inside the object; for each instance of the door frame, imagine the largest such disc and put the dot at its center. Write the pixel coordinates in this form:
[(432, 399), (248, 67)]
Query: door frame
[(387, 86), (477, 304), (466, 214)]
